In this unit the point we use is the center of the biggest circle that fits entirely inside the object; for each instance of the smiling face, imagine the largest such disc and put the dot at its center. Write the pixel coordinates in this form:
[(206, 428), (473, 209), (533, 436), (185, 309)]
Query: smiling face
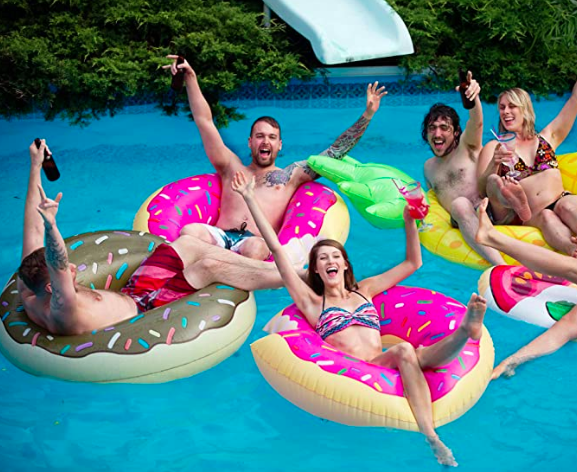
[(516, 112), (441, 136), (264, 144), (329, 265)]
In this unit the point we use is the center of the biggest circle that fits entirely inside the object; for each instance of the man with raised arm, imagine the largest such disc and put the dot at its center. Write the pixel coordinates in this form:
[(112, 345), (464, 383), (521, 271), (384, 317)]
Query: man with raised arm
[(54, 300), (452, 173), (235, 228)]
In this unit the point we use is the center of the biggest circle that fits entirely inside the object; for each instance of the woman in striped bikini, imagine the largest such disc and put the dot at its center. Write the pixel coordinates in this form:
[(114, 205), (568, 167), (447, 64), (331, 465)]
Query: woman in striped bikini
[(343, 315)]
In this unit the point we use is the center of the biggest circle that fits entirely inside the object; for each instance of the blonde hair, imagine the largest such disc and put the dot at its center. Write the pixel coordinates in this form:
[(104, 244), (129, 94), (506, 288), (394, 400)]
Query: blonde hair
[(522, 100)]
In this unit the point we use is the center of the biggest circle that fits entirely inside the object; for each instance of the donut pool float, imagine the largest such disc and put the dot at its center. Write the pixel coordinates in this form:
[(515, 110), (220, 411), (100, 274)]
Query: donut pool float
[(314, 211), (174, 341), (523, 294), (442, 239), (318, 378)]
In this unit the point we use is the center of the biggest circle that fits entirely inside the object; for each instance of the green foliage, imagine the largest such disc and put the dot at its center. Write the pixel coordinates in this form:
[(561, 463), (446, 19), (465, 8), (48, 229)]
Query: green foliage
[(505, 43), (81, 59)]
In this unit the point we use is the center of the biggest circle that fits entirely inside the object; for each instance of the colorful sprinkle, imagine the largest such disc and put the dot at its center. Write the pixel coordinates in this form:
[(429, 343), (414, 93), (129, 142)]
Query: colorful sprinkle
[(322, 363), (319, 209), (162, 195), (198, 210), (136, 318), (316, 354), (409, 332), (455, 376), (386, 322), (26, 331), (215, 318), (81, 347), (169, 336), (123, 251), (121, 270), (311, 224), (94, 267), (386, 379), (166, 313), (342, 371), (399, 305), (50, 338), (127, 344), (437, 336), (225, 302), (76, 245), (452, 324), (440, 386), (448, 315), (203, 295), (110, 328), (81, 267), (5, 315), (421, 313), (202, 325), (366, 377), (208, 198), (193, 303), (18, 323), (225, 287), (184, 322), (113, 340), (328, 348), (150, 246), (378, 387), (101, 239), (35, 338), (108, 282), (424, 302), (422, 327), (122, 233), (156, 334), (64, 349), (463, 366), (468, 353), (143, 343), (440, 370), (110, 258), (292, 335)]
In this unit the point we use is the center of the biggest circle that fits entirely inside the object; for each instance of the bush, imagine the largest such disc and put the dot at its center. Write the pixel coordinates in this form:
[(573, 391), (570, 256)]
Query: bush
[(505, 43), (81, 59)]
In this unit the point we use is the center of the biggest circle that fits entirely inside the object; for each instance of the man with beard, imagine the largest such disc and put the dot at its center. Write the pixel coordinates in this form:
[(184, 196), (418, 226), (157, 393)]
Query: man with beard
[(235, 228), (452, 173)]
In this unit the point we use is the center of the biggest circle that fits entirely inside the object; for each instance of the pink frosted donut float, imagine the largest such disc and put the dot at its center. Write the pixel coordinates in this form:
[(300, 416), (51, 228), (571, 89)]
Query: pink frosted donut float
[(314, 211), (318, 378)]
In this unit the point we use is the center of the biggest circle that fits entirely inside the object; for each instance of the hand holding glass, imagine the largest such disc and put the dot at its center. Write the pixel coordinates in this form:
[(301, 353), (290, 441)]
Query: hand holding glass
[(509, 141), (413, 194)]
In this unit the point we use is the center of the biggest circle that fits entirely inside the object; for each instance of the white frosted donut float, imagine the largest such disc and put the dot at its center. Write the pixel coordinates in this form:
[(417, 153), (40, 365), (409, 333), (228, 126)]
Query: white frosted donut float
[(328, 383), (174, 341)]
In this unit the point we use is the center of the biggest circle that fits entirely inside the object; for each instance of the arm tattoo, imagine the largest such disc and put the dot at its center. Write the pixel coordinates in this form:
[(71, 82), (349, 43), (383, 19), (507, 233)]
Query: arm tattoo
[(283, 176), (346, 141), (56, 256)]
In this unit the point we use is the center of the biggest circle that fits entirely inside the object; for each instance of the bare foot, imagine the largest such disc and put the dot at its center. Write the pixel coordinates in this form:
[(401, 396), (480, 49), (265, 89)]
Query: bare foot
[(515, 196), (573, 253), (443, 454), (473, 320), (486, 228), (506, 368)]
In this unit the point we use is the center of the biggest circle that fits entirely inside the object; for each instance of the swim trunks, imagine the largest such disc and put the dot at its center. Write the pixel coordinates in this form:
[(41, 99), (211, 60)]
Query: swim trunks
[(552, 205), (231, 239), (335, 319), (545, 159), (158, 280)]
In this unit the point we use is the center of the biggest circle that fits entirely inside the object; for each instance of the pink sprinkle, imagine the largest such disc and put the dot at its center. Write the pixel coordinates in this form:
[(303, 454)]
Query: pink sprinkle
[(169, 337), (127, 344), (204, 294), (108, 282), (109, 258), (166, 313), (35, 338)]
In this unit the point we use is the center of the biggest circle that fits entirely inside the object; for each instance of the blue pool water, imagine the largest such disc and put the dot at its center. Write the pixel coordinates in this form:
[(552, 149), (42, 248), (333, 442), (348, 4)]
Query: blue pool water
[(229, 418)]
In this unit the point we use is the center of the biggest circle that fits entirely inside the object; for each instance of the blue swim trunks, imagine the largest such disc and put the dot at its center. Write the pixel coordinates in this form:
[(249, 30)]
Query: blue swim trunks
[(231, 239)]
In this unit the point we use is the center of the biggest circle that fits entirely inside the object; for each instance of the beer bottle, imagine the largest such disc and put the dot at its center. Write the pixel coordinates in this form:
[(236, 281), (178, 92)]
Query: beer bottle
[(48, 164), (468, 104), (178, 78)]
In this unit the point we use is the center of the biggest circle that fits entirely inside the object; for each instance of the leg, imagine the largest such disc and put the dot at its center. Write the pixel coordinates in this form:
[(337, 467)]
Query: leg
[(245, 276), (402, 357), (534, 257), (550, 341), (566, 210), (253, 248), (199, 231), (463, 213), (449, 347), (555, 232)]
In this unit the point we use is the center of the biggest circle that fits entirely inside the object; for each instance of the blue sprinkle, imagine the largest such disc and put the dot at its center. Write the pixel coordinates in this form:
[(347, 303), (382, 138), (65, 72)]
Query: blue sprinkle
[(143, 343), (94, 331), (92, 286), (386, 322), (20, 308), (184, 322), (386, 379), (189, 211), (437, 336), (136, 318), (385, 293), (121, 270), (316, 354), (184, 192), (450, 314), (193, 303), (421, 312), (225, 287), (456, 377), (76, 244), (208, 197), (5, 315), (18, 323), (152, 207), (64, 349), (150, 246)]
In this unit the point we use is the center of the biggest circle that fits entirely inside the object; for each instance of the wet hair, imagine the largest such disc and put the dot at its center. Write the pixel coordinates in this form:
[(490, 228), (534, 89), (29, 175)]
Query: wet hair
[(437, 111), (314, 280), (33, 271), (267, 119), (522, 100)]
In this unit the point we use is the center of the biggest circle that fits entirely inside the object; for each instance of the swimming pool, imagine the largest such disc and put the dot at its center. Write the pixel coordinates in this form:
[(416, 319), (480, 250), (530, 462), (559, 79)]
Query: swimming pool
[(229, 418)]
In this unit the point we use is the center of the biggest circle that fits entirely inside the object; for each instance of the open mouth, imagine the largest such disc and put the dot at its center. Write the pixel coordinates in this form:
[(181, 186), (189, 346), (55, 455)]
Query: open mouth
[(438, 143), (264, 153), (332, 271)]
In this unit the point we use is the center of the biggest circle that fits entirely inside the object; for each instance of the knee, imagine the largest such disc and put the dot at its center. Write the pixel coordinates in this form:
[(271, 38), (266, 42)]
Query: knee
[(546, 218), (493, 181), (197, 231), (406, 353), (203, 272), (566, 208), (254, 248), (461, 208)]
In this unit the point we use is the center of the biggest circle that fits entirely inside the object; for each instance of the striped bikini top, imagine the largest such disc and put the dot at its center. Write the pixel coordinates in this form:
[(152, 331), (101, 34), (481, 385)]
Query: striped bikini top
[(334, 319)]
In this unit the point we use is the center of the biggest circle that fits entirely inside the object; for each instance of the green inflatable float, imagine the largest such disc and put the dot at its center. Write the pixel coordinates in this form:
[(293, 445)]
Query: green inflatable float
[(370, 188)]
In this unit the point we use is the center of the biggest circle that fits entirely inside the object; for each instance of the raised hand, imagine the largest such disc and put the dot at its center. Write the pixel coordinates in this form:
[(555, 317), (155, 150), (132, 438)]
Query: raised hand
[(374, 95), (474, 89), (48, 207), (175, 68), (243, 185), (37, 153)]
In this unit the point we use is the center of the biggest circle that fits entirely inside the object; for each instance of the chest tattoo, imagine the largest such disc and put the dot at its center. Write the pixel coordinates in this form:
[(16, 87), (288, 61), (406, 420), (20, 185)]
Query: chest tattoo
[(279, 176)]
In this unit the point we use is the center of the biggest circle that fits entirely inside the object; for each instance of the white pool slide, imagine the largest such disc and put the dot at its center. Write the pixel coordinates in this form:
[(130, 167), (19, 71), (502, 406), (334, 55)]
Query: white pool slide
[(346, 30)]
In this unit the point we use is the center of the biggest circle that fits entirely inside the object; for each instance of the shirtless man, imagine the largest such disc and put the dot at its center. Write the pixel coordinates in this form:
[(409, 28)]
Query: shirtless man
[(274, 186), (54, 300), (536, 195), (452, 172), (540, 260)]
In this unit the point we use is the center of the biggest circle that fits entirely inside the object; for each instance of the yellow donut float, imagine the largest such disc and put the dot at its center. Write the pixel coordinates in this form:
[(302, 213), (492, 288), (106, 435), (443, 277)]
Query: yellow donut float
[(445, 241)]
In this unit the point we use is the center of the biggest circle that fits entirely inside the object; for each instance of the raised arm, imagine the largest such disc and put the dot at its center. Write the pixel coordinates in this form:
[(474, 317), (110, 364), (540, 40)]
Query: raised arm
[(473, 135), (219, 155), (33, 225), (556, 131), (413, 260), (299, 291), (63, 302)]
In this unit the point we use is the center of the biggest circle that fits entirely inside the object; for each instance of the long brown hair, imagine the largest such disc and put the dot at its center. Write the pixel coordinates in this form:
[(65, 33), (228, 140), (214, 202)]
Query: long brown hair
[(314, 280)]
